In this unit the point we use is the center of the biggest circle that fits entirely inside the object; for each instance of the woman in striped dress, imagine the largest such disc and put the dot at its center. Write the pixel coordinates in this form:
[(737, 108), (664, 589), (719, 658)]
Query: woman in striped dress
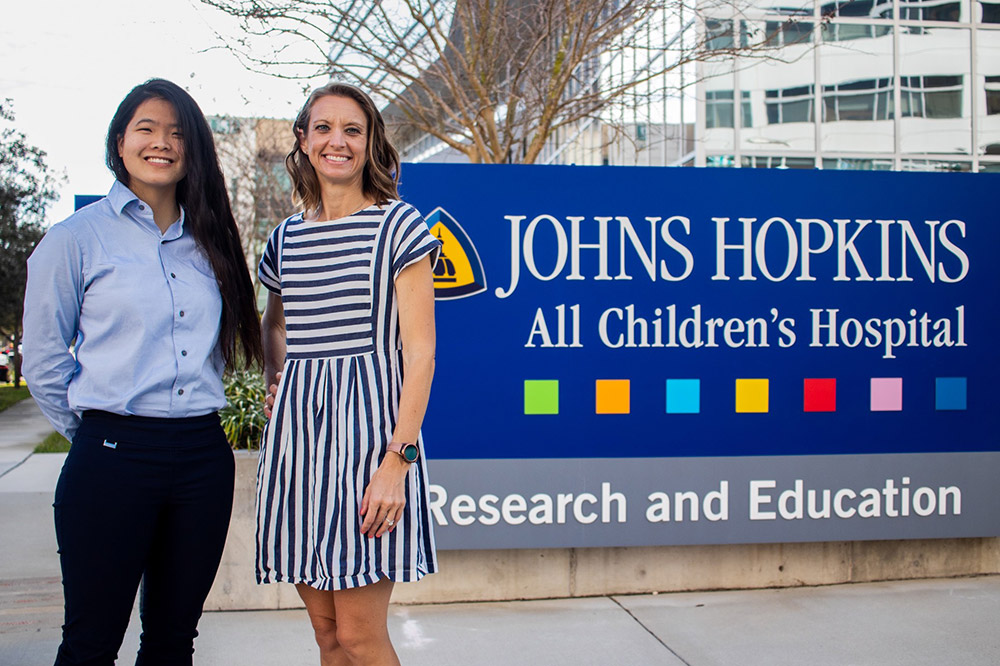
[(348, 332)]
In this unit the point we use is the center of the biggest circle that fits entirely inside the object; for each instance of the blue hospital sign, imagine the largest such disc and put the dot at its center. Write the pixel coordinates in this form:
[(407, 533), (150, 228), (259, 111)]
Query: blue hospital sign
[(641, 356)]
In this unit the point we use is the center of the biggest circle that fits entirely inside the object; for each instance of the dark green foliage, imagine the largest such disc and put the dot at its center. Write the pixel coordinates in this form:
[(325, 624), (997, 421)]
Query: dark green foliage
[(243, 418), (26, 189)]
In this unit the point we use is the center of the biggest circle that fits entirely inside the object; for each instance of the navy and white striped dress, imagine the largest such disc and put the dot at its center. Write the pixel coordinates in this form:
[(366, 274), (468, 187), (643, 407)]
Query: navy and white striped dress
[(337, 402)]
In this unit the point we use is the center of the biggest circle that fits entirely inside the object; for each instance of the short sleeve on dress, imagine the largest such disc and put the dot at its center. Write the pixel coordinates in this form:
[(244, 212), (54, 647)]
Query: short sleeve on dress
[(411, 239), (269, 269)]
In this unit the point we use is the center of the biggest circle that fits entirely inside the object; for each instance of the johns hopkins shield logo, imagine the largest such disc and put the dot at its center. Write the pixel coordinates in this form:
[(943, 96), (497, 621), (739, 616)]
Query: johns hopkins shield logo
[(458, 272)]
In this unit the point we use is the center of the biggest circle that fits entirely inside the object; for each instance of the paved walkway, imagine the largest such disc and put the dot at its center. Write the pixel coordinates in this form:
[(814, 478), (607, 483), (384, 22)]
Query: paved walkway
[(22, 427), (932, 622)]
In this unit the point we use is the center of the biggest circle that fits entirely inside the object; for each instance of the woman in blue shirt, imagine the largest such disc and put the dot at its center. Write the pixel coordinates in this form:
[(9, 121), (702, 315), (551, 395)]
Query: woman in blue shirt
[(150, 287)]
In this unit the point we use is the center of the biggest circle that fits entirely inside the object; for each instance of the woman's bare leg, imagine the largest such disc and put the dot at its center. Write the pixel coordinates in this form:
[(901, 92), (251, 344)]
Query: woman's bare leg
[(351, 625), (323, 616)]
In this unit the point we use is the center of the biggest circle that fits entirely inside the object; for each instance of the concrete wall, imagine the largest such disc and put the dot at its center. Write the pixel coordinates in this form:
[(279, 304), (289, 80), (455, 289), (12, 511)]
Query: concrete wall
[(477, 575)]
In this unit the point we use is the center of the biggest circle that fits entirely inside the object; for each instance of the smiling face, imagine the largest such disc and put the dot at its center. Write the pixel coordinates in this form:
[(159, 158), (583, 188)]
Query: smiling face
[(152, 149), (336, 141)]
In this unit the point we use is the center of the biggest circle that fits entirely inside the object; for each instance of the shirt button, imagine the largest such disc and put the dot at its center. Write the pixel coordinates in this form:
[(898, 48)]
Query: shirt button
[(184, 352), (180, 391), (182, 313), (173, 275), (141, 207)]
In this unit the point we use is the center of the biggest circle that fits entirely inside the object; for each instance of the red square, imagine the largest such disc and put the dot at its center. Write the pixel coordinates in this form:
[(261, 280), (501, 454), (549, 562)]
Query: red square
[(819, 395)]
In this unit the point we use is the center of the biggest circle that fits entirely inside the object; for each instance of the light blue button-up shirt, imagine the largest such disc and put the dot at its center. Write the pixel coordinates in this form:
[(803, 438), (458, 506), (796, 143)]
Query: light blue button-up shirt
[(143, 307)]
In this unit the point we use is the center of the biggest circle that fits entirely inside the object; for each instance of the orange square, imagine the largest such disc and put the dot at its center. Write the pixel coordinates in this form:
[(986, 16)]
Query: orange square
[(612, 396)]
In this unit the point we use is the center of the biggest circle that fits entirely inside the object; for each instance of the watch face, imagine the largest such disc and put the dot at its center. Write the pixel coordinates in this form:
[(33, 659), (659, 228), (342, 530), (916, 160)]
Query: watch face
[(410, 452)]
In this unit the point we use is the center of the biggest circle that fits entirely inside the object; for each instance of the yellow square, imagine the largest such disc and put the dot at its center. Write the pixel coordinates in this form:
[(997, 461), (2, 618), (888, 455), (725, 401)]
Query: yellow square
[(751, 396), (612, 396)]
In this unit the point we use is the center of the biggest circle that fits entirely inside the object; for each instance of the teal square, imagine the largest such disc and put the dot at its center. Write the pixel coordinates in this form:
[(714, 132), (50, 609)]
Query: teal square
[(949, 393), (541, 396), (683, 396)]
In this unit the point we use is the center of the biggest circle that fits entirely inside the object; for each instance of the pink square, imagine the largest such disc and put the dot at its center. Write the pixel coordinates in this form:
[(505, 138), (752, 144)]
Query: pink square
[(887, 394)]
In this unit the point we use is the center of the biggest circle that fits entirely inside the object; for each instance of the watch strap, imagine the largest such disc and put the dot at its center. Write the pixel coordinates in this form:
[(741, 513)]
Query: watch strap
[(403, 448)]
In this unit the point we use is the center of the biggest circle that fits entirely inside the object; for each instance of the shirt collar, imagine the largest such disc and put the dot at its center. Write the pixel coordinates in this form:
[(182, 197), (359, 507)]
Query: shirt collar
[(121, 197)]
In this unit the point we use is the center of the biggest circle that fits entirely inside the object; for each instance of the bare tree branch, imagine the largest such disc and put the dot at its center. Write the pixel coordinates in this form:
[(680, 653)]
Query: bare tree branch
[(494, 79)]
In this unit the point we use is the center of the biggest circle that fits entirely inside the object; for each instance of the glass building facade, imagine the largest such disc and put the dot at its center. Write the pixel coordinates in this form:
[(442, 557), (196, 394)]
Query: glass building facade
[(851, 84), (866, 84)]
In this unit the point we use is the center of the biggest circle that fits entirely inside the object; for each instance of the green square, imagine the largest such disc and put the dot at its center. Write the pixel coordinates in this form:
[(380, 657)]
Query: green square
[(541, 396)]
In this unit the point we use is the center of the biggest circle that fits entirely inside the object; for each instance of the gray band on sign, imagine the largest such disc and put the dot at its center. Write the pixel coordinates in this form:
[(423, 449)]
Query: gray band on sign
[(550, 503)]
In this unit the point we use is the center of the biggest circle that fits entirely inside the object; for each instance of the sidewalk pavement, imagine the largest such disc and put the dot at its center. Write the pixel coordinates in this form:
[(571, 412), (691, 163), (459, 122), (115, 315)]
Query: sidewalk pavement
[(22, 427), (928, 622)]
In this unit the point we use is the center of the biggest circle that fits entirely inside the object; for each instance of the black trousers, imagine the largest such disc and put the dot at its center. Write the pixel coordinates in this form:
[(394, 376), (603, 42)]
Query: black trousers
[(140, 498)]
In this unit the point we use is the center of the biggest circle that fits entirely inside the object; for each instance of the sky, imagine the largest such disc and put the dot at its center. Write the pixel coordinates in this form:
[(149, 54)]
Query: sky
[(67, 64)]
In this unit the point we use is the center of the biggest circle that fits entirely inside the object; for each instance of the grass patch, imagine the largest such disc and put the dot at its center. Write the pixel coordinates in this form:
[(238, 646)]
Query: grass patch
[(54, 443), (10, 395)]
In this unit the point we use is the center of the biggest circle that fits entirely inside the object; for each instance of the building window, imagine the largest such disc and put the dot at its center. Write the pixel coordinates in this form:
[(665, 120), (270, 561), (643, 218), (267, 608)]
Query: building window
[(992, 95), (786, 33), (720, 161), (935, 165), (870, 99), (858, 8), (857, 164), (718, 109), (777, 162), (929, 10), (931, 96), (991, 11), (845, 32), (718, 35), (789, 105)]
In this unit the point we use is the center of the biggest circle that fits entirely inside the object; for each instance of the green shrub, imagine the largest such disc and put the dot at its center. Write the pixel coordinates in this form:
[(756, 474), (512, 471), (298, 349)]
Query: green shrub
[(10, 395), (243, 418), (54, 443)]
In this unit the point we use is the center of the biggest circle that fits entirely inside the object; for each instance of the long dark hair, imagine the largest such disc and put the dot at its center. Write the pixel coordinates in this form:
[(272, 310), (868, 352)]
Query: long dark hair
[(208, 216), (381, 172)]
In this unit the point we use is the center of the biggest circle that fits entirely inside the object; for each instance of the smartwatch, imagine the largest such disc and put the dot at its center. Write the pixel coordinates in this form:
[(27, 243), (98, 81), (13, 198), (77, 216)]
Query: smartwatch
[(408, 452)]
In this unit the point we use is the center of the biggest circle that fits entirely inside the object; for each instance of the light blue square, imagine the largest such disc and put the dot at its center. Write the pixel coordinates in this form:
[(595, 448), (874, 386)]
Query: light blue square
[(683, 396), (950, 393)]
